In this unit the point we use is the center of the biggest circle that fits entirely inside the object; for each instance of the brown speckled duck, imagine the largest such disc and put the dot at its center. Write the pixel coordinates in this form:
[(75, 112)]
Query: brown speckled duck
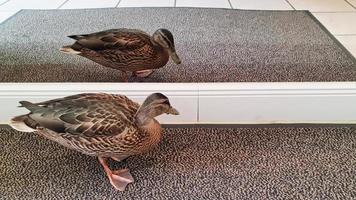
[(98, 124), (128, 50)]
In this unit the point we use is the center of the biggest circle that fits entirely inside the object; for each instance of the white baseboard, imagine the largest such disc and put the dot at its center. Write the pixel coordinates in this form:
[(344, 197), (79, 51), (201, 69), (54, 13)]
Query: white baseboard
[(261, 103), (229, 103)]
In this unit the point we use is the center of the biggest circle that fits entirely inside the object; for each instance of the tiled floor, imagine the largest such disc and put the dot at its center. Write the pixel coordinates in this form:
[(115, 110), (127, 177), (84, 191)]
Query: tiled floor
[(349, 42), (322, 5), (203, 3), (15, 5), (5, 15), (261, 5), (146, 3), (343, 23), (338, 16), (74, 4)]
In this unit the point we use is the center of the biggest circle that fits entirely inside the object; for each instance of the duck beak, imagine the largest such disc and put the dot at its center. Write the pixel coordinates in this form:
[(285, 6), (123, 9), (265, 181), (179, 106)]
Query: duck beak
[(174, 56), (172, 111)]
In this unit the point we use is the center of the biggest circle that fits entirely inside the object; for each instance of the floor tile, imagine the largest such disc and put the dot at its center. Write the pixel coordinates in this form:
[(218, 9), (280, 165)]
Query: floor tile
[(261, 5), (338, 23), (204, 3), (30, 4), (322, 5), (72, 4), (6, 15), (146, 3), (349, 41)]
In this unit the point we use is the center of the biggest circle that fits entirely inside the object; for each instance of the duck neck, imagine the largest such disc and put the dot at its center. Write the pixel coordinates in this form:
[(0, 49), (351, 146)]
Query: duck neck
[(146, 121), (162, 53), (143, 120), (145, 116)]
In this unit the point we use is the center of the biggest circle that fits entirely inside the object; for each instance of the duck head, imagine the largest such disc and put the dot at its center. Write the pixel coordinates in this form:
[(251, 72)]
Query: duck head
[(164, 38), (155, 104)]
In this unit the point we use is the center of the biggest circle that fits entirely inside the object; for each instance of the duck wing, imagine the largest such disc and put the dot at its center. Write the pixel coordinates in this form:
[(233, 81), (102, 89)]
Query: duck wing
[(118, 39), (85, 115)]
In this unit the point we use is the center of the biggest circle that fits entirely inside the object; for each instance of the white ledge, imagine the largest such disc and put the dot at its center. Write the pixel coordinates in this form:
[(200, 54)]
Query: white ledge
[(230, 103)]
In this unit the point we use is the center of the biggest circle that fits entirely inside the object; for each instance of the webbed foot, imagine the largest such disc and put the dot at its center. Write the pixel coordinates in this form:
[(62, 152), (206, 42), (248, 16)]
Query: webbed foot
[(118, 178)]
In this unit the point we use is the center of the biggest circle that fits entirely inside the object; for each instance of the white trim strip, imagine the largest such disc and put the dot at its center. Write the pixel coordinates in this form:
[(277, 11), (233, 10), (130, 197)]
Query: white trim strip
[(213, 103)]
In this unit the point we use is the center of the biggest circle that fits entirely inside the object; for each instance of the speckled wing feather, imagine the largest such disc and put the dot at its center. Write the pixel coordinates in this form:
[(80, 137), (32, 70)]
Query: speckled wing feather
[(123, 49), (131, 48), (118, 39), (86, 115)]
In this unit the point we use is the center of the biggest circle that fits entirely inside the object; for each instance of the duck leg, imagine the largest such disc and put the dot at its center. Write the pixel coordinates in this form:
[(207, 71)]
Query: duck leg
[(118, 178), (138, 76), (143, 73), (119, 158)]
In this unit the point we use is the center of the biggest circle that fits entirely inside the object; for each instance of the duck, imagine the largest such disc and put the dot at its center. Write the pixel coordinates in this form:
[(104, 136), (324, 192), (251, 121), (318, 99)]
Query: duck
[(107, 126), (128, 50)]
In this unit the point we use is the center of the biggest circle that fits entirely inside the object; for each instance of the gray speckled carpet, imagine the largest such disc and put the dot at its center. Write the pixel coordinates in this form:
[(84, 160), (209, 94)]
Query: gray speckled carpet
[(191, 163), (215, 45)]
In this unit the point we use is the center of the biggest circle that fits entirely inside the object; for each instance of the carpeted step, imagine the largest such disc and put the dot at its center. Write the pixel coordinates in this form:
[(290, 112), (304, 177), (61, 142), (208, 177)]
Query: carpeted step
[(215, 45), (191, 163)]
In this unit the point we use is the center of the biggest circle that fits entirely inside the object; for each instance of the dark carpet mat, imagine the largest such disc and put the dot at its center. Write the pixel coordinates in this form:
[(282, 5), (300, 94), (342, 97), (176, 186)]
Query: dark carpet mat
[(215, 45), (191, 163)]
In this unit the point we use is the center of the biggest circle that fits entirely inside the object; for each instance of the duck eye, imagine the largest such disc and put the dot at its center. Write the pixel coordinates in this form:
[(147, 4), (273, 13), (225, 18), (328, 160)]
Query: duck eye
[(166, 102), (165, 41)]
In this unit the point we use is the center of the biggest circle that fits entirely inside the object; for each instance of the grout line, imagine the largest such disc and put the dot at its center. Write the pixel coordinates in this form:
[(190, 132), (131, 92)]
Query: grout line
[(175, 3), (4, 2), (230, 4), (117, 5), (62, 4), (350, 4), (290, 4)]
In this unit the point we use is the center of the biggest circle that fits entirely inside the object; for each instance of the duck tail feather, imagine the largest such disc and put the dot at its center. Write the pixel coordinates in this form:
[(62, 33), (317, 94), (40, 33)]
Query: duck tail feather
[(30, 106), (18, 123), (77, 37)]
